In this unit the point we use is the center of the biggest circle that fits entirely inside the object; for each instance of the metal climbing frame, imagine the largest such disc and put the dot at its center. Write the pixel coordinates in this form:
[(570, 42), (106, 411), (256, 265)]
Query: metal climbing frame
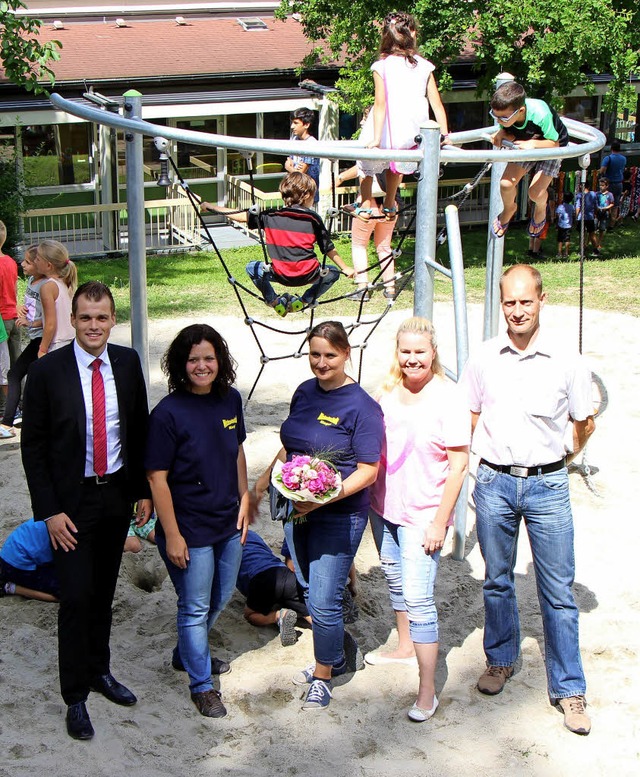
[(428, 153)]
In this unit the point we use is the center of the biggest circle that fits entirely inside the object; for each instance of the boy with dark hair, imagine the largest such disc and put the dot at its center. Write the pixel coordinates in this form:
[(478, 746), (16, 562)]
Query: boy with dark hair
[(529, 124), (291, 234), (604, 207), (301, 121), (565, 214), (590, 200), (613, 166)]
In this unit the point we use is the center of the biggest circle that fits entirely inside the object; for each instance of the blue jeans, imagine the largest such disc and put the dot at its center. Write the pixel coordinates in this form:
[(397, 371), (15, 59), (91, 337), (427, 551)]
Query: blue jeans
[(204, 589), (410, 574), (323, 549), (262, 275), (543, 501)]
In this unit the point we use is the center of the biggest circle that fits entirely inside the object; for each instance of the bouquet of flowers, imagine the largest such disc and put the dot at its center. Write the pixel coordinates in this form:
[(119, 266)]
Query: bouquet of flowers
[(306, 479)]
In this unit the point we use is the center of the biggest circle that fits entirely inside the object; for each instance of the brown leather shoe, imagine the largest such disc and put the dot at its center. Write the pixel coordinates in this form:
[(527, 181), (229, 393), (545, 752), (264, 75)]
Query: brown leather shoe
[(575, 715), (493, 679), (209, 703)]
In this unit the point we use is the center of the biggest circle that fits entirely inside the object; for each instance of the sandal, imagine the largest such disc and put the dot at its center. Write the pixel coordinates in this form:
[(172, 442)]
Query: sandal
[(536, 228), (364, 214), (498, 229), (390, 214), (6, 433), (389, 292)]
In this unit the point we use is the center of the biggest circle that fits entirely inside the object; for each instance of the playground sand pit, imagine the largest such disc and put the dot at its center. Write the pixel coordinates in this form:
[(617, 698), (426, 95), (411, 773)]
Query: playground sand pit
[(365, 731)]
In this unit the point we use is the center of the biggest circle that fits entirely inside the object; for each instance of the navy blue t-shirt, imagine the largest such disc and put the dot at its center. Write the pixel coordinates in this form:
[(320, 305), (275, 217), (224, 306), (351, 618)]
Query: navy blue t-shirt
[(257, 557), (196, 437), (345, 423)]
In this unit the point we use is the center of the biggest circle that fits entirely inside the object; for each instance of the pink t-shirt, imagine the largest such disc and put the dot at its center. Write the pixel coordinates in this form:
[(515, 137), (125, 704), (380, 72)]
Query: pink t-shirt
[(414, 464)]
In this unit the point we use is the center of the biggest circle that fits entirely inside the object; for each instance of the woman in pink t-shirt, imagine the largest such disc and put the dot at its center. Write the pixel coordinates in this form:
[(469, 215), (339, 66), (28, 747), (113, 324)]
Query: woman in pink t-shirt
[(424, 462)]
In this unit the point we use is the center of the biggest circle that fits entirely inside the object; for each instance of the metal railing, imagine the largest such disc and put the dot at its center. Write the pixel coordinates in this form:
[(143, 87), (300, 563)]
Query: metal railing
[(89, 230)]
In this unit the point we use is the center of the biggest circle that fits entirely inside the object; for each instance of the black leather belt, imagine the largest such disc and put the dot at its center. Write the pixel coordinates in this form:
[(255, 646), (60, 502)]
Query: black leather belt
[(525, 472), (103, 480)]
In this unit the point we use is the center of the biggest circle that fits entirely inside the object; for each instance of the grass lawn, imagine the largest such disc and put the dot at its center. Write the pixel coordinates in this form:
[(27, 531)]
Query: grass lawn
[(196, 282)]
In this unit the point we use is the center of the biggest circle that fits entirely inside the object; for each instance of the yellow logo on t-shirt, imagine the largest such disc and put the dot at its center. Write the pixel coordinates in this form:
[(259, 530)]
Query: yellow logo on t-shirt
[(230, 423), (327, 420)]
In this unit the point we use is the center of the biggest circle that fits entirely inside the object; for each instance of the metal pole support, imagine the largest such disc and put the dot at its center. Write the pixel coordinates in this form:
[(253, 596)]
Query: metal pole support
[(136, 232), (462, 354), (426, 220)]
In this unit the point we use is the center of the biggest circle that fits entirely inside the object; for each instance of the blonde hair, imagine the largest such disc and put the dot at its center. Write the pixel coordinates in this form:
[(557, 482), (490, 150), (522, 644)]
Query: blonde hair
[(419, 326), (3, 233), (58, 257)]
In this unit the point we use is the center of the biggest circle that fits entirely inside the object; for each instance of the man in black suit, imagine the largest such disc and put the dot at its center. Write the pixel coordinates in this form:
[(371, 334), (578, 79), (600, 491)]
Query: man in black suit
[(83, 438)]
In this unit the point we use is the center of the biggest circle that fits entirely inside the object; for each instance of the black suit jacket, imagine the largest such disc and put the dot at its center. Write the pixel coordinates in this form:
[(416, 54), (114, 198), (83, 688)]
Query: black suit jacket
[(54, 429)]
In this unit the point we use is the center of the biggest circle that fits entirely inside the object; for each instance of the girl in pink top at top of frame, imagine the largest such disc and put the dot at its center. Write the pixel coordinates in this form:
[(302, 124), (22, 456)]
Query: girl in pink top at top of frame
[(52, 261), (404, 89), (424, 462)]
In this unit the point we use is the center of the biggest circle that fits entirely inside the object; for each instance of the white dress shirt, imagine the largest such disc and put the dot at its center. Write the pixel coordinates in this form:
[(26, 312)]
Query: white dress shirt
[(114, 448)]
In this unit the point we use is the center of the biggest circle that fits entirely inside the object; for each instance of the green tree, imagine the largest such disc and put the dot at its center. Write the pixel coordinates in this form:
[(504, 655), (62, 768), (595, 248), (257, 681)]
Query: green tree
[(25, 60), (551, 46)]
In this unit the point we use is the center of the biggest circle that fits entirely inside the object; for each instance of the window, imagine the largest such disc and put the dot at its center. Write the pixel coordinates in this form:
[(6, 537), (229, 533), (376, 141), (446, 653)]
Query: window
[(584, 109), (252, 23), (195, 161), (241, 125), (277, 126), (150, 156), (56, 154)]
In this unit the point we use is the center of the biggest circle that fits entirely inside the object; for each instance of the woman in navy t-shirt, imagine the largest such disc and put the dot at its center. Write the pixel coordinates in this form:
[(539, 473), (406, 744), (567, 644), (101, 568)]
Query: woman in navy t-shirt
[(332, 415), (198, 474)]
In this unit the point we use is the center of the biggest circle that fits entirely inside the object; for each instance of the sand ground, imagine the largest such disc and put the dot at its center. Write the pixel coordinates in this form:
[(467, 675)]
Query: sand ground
[(365, 732)]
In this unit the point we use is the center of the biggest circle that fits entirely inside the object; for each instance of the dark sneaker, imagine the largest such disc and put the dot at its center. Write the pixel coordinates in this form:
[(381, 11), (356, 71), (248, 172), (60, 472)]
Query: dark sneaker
[(318, 696), (209, 703), (575, 714), (493, 679)]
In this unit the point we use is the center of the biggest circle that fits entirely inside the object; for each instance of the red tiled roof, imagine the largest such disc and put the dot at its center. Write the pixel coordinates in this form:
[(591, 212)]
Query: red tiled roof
[(157, 48)]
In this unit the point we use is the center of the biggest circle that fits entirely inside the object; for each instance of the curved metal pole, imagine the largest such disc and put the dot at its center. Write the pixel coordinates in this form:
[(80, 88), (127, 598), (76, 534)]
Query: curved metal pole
[(594, 140)]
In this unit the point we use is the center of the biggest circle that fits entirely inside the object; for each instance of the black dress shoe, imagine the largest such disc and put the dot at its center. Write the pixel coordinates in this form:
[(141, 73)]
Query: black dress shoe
[(78, 721), (111, 689)]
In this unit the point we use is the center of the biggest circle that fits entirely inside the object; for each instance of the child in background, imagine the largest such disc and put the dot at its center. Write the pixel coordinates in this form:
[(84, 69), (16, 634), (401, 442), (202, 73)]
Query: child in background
[(590, 199), (605, 205), (29, 318), (270, 587), (26, 563), (4, 372), (528, 124), (301, 121), (8, 299), (291, 234), (404, 89), (135, 535), (52, 261), (565, 214)]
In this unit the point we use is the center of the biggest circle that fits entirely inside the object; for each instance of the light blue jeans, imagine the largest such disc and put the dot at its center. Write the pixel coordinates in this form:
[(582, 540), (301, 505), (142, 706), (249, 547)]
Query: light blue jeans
[(323, 549), (262, 276), (543, 502), (204, 589), (411, 575)]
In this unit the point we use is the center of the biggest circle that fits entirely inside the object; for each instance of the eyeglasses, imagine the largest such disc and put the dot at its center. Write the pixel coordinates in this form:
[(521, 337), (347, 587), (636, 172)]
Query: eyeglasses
[(503, 119)]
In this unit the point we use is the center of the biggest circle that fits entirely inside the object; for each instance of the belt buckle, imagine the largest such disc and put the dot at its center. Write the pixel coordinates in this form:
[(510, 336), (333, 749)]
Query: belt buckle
[(519, 472), (101, 480)]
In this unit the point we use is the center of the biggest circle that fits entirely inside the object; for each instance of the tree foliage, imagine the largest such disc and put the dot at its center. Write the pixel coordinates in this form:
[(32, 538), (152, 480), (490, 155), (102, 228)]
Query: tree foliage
[(24, 58), (551, 46)]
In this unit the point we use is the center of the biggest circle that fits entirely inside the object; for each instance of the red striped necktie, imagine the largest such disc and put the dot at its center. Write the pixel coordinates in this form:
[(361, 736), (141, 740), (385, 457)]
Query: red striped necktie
[(99, 420)]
